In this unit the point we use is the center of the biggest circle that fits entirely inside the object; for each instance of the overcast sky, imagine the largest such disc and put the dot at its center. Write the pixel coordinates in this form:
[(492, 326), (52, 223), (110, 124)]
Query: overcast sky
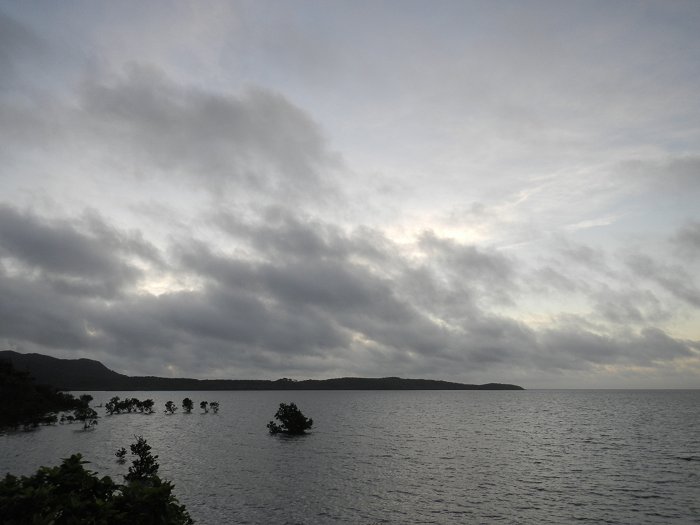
[(473, 191)]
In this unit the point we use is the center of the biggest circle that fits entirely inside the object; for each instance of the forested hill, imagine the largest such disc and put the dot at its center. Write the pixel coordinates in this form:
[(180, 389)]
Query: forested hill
[(87, 374)]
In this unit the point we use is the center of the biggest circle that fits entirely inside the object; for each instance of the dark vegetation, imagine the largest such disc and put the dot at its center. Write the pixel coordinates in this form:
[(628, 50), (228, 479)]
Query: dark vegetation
[(69, 494), (86, 415), (291, 421), (128, 405), (86, 374), (28, 405), (187, 405)]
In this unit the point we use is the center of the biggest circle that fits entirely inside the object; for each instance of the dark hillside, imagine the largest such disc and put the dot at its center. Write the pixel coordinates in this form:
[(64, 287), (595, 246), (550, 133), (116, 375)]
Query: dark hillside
[(86, 374), (67, 374)]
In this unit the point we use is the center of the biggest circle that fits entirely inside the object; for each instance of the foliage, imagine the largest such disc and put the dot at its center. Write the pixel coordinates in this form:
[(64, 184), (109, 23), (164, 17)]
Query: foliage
[(86, 415), (86, 399), (69, 494), (148, 406), (204, 406), (145, 466), (121, 455), (187, 405), (31, 404), (170, 407), (214, 405), (131, 404), (292, 421)]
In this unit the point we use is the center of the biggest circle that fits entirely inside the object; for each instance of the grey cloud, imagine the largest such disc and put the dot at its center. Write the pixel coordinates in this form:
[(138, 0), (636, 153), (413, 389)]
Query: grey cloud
[(586, 257), (687, 240), (257, 142), (87, 261), (35, 312), (234, 318), (677, 175), (257, 312), (282, 233), (333, 291), (547, 279), (286, 236), (17, 43), (492, 339), (571, 348), (625, 307), (472, 269), (673, 279)]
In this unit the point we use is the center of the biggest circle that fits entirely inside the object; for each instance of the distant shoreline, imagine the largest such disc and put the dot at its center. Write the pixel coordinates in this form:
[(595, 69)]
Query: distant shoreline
[(87, 374)]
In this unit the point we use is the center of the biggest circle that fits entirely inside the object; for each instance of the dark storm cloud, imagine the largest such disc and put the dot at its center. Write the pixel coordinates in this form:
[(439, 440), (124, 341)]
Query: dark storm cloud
[(84, 258), (258, 141)]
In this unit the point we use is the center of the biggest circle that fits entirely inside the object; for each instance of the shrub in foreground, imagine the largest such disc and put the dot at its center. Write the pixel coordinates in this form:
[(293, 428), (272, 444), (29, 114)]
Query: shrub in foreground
[(292, 421), (69, 494)]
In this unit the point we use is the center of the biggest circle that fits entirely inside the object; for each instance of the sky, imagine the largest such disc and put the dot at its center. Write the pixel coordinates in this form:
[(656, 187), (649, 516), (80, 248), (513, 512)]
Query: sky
[(473, 191)]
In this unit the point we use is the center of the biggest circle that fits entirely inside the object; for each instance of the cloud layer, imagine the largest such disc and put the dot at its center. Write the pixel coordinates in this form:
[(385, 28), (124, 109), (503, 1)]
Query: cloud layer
[(281, 200)]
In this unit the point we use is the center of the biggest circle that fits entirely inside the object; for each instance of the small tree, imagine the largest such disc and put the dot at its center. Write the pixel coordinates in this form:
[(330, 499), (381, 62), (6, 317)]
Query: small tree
[(170, 407), (145, 466), (214, 405), (292, 421), (86, 399), (148, 406), (86, 415), (112, 405), (121, 455), (187, 405), (204, 406)]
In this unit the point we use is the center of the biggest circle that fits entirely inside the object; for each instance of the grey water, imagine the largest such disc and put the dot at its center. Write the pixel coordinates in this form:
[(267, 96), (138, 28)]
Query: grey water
[(407, 456)]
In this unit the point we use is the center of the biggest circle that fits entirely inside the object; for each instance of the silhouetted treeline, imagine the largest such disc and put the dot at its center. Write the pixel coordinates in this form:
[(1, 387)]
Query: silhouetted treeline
[(26, 403)]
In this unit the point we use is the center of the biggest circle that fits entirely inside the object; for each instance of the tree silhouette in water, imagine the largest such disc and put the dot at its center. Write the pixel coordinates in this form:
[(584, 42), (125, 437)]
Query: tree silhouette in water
[(292, 421)]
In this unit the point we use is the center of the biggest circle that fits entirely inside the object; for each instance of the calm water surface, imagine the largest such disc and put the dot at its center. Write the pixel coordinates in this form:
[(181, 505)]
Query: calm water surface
[(408, 457)]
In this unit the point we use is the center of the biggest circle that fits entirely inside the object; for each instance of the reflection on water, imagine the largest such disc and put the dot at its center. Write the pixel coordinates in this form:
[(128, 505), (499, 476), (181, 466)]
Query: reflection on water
[(408, 457)]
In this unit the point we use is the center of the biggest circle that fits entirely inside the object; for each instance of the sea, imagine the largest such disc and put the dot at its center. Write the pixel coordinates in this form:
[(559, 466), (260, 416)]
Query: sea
[(405, 457)]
